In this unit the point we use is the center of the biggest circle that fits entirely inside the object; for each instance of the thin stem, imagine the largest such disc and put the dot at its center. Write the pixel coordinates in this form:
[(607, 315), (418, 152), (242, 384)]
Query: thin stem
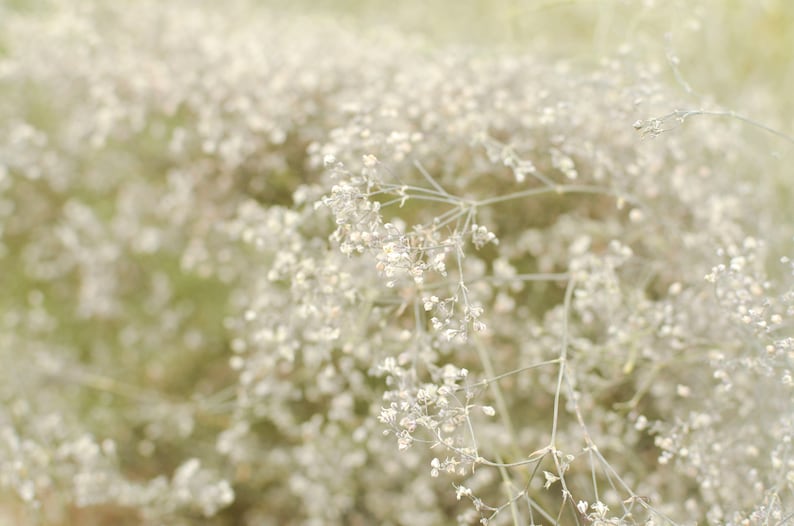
[(496, 391), (562, 361), (496, 378), (561, 190), (430, 178), (682, 115)]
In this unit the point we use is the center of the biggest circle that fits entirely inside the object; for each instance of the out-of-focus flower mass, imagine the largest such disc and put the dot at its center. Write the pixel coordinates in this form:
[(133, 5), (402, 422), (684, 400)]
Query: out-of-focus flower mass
[(351, 263)]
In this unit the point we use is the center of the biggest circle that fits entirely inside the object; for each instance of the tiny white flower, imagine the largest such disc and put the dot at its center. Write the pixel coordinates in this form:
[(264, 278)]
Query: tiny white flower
[(551, 478)]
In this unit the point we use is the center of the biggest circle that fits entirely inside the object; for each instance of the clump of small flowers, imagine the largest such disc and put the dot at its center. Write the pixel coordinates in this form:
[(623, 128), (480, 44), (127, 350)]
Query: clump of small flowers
[(404, 284)]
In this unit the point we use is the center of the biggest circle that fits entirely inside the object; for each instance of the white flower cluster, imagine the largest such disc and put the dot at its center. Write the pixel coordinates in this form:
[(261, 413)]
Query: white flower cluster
[(262, 269)]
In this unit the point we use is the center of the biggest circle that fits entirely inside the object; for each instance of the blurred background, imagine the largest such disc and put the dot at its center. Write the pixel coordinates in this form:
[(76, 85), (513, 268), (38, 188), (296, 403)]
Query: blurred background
[(739, 51), (72, 224)]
